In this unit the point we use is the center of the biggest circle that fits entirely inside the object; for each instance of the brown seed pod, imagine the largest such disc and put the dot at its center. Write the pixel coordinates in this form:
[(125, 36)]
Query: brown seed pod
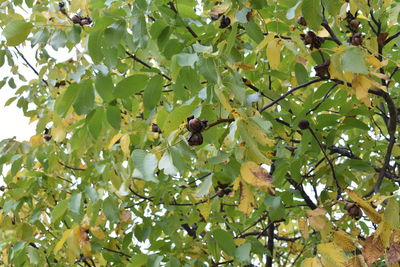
[(47, 137), (76, 19), (195, 139), (321, 70), (86, 21), (356, 39), (155, 128), (353, 210), (195, 125), (302, 21), (353, 24), (304, 124), (225, 22), (312, 39)]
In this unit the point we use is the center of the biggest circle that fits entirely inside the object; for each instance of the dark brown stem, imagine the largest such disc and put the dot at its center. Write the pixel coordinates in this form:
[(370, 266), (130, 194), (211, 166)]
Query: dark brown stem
[(30, 66), (229, 120), (391, 127), (270, 244), (146, 65), (72, 168), (118, 252), (339, 189), (290, 92), (190, 30), (329, 29), (390, 38)]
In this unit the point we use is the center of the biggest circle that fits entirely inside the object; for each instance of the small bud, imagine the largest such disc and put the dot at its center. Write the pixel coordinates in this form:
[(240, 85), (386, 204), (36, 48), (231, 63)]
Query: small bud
[(304, 124), (155, 128)]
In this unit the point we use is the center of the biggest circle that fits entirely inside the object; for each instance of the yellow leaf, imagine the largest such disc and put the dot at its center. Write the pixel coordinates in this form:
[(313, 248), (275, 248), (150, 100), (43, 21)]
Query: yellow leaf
[(316, 212), (259, 135), (318, 223), (257, 176), (344, 241), (73, 249), (383, 232), (370, 59), (62, 241), (332, 254), (125, 142), (98, 233), (368, 209), (311, 262), (239, 241), (246, 200), (274, 53), (58, 133), (36, 140), (219, 9), (78, 4), (356, 261), (205, 210), (114, 140), (361, 84), (303, 228)]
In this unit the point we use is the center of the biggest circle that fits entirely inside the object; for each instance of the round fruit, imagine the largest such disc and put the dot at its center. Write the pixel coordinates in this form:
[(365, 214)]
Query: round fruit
[(195, 139), (304, 124)]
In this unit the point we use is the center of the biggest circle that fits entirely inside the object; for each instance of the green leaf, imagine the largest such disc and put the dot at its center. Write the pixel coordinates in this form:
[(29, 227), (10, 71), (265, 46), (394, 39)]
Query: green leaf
[(186, 59), (312, 12), (353, 60), (95, 123), (242, 253), (145, 165), (58, 40), (130, 85), (64, 102), (208, 69), (114, 117), (75, 202), (17, 31), (391, 215), (40, 37), (105, 87), (204, 187), (111, 210), (254, 31), (152, 93), (225, 241), (59, 210), (94, 46), (84, 101), (275, 207)]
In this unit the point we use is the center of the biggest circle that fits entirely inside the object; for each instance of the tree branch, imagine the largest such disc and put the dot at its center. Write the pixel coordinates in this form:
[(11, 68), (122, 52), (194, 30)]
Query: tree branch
[(391, 38), (270, 245), (30, 66), (290, 92), (146, 65), (229, 120), (329, 29), (391, 127)]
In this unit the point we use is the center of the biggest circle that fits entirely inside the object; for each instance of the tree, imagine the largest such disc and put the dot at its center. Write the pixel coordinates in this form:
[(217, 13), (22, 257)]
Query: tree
[(203, 133)]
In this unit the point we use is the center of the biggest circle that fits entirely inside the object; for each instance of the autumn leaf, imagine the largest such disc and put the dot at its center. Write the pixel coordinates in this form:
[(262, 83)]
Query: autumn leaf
[(343, 240), (311, 262), (332, 254), (361, 84), (274, 53), (257, 176), (372, 249), (246, 200), (368, 209)]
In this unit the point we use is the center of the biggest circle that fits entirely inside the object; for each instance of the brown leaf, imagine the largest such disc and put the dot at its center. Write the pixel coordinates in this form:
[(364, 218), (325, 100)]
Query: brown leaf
[(372, 249), (393, 253)]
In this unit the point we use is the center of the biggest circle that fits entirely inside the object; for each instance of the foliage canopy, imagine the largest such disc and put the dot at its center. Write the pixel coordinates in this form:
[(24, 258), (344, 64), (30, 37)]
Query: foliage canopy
[(203, 133)]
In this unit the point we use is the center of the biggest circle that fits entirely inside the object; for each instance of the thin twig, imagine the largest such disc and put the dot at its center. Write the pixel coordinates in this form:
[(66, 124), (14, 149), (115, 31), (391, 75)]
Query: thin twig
[(229, 120), (270, 245), (72, 168), (146, 65), (30, 66), (323, 99), (290, 92), (329, 29), (394, 36), (339, 189), (391, 127)]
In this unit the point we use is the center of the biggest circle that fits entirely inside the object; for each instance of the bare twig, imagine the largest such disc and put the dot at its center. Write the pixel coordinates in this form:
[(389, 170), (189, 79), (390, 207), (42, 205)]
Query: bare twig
[(72, 168), (30, 66), (290, 92), (146, 65), (391, 127), (323, 99)]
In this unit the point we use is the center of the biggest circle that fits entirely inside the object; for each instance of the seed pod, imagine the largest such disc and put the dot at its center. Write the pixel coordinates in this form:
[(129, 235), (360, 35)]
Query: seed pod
[(321, 70), (353, 210), (86, 21), (76, 19), (47, 137), (354, 23), (195, 139), (302, 21), (225, 22), (356, 39), (304, 124), (61, 4), (155, 128)]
